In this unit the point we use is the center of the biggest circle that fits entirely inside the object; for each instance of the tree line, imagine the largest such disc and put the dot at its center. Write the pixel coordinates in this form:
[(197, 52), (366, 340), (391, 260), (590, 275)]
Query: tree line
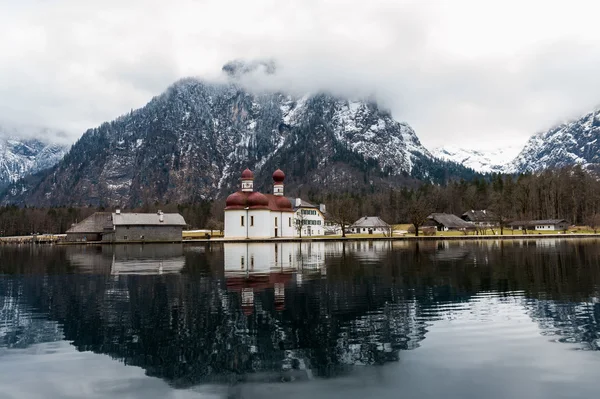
[(17, 221), (570, 193)]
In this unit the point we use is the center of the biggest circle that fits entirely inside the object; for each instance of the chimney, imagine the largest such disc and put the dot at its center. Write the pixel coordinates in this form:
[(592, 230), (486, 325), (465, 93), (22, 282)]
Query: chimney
[(298, 202), (322, 208), (118, 211)]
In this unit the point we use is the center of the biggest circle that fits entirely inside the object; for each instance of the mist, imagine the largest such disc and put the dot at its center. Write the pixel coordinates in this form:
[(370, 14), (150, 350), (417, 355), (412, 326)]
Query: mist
[(478, 75)]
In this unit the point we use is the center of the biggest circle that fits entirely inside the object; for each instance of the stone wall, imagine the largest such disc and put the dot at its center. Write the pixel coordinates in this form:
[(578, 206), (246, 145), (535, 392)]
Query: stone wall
[(147, 233)]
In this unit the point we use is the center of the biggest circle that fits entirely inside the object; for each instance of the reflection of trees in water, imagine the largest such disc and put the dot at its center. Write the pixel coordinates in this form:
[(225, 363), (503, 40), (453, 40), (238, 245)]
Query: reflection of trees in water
[(568, 322), (189, 328)]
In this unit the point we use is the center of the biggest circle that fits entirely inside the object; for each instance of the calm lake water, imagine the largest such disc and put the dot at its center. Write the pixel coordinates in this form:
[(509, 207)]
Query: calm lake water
[(488, 319)]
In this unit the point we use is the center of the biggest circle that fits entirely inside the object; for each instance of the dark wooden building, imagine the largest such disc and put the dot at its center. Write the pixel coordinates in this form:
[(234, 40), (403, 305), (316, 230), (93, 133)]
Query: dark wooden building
[(145, 227), (448, 221), (128, 227), (481, 217), (90, 228)]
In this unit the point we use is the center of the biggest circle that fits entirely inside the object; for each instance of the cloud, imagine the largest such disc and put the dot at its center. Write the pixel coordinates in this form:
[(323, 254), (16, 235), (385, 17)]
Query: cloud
[(477, 74)]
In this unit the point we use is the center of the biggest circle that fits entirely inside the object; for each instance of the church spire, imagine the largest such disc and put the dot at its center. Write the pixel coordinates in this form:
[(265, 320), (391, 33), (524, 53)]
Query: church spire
[(247, 181), (278, 178)]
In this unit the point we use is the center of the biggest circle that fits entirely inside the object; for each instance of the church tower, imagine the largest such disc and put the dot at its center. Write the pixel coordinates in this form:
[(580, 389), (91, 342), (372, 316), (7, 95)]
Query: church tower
[(278, 178), (247, 181)]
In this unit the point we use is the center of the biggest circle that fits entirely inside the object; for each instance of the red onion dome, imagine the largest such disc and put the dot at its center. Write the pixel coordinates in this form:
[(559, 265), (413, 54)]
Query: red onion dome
[(278, 176), (283, 203), (247, 174), (236, 200), (256, 200)]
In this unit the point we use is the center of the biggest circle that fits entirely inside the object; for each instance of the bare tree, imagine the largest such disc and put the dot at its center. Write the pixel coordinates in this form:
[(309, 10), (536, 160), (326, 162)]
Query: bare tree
[(419, 208), (594, 222), (299, 222), (343, 212)]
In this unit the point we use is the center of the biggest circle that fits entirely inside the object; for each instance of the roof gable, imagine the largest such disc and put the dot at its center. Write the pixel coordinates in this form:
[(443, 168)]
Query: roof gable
[(370, 221), (95, 223), (481, 215), (147, 219), (450, 221)]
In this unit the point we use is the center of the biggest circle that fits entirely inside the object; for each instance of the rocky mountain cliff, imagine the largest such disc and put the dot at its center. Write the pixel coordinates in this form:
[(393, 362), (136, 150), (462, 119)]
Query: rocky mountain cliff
[(574, 142), (20, 157), (192, 141)]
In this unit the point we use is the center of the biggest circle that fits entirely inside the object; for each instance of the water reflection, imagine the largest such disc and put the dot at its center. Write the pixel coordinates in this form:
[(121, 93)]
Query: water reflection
[(288, 312)]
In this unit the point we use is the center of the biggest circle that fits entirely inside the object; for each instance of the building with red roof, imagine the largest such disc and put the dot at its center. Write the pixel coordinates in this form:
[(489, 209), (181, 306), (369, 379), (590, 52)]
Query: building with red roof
[(251, 214)]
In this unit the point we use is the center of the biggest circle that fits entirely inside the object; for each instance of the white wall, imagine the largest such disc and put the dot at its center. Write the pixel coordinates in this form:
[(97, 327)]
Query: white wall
[(283, 224), (365, 230), (259, 229), (315, 229), (551, 227)]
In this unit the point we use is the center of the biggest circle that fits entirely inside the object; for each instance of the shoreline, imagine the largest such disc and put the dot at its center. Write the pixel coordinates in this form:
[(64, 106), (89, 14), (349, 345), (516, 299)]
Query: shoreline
[(323, 239), (412, 238)]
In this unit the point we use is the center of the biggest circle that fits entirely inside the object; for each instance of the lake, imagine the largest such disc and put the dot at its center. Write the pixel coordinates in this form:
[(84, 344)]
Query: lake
[(380, 319)]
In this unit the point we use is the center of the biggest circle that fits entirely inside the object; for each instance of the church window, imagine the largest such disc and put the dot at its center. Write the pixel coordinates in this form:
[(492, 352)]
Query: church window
[(275, 221), (251, 220), (290, 221), (242, 221)]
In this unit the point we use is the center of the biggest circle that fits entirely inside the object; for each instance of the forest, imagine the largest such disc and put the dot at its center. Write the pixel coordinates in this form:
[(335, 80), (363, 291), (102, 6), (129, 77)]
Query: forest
[(571, 193)]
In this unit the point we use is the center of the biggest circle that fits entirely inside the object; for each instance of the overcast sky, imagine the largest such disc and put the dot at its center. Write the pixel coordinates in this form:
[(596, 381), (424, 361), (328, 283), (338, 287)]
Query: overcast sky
[(472, 73)]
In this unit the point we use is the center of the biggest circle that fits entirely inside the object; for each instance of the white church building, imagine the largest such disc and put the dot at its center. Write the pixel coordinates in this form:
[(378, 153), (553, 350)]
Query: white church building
[(251, 214)]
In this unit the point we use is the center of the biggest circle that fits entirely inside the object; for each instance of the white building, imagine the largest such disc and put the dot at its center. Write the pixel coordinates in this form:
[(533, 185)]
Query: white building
[(547, 225), (309, 219), (251, 214), (371, 225)]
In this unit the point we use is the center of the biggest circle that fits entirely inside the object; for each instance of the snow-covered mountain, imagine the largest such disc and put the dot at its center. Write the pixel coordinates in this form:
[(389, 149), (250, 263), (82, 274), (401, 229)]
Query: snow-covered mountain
[(22, 156), (574, 142), (192, 141), (494, 161)]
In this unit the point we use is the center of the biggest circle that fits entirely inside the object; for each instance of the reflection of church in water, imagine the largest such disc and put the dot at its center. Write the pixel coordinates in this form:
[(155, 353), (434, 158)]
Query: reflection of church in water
[(235, 312), (254, 267)]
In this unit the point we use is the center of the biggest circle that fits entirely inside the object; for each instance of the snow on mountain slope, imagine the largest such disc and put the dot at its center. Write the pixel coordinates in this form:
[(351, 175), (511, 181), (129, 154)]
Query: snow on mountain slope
[(570, 143), (494, 161), (22, 156), (192, 141)]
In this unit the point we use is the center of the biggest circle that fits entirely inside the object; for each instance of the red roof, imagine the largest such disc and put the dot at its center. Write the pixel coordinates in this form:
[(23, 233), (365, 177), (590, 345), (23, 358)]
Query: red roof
[(278, 176), (247, 174), (256, 200), (236, 200), (279, 203)]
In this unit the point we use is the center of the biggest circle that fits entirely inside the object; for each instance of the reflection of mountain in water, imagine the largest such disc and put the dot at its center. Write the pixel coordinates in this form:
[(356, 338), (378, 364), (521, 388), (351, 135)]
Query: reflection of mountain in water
[(298, 312)]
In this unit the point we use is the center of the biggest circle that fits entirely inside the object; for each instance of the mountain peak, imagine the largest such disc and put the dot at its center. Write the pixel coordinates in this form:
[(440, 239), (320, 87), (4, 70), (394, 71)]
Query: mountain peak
[(237, 68), (576, 142), (492, 161), (189, 143), (20, 156)]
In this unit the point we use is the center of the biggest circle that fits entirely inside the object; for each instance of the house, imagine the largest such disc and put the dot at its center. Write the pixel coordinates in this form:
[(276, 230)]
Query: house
[(331, 227), (309, 219), (540, 225), (370, 225), (90, 228), (481, 218), (448, 221), (145, 227), (251, 214), (120, 227)]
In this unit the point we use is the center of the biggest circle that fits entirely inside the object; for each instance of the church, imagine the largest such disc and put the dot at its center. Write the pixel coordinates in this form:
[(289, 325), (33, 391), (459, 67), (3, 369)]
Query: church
[(251, 214)]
